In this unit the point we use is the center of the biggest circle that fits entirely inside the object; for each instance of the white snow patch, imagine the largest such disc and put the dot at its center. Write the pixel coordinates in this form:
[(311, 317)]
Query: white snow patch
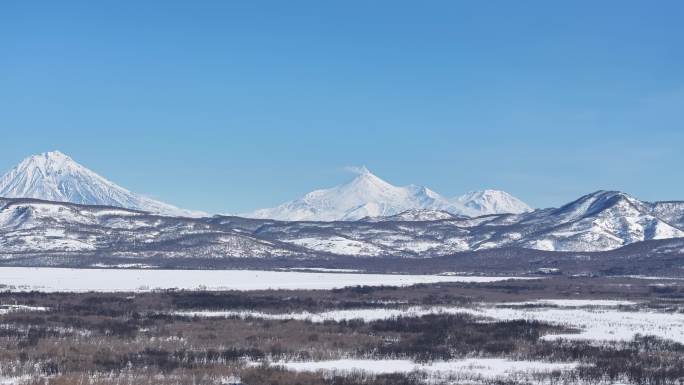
[(367, 315), (80, 280), (599, 323), (471, 368), (5, 309), (322, 270), (123, 266), (575, 302), (14, 380)]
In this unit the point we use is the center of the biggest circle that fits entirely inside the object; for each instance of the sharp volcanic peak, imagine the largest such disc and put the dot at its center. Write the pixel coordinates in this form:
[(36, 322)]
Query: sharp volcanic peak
[(54, 176), (369, 196)]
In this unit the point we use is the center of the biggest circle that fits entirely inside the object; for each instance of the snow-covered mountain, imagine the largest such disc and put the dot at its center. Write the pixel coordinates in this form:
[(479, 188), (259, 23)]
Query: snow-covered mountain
[(56, 177), (493, 202), (602, 220), (369, 196), (367, 217), (597, 222), (33, 227)]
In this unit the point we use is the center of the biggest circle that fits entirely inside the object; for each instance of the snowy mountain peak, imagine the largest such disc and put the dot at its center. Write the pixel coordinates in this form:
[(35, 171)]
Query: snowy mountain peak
[(361, 170), (596, 202), (367, 195), (50, 157), (493, 202), (54, 176), (368, 181), (48, 162)]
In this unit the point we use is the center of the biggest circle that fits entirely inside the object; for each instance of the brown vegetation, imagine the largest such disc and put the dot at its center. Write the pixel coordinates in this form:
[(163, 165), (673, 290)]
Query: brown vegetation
[(126, 338)]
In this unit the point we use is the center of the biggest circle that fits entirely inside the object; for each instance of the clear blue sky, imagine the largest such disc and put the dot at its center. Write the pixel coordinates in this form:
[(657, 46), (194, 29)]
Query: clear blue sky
[(227, 106)]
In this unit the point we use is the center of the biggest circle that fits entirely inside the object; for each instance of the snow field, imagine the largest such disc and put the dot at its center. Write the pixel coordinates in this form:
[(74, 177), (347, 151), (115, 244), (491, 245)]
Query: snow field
[(466, 369), (111, 280)]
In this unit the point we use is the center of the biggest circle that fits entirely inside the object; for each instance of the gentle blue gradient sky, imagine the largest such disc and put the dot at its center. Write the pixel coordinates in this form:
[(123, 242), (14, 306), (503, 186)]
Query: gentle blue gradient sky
[(227, 106)]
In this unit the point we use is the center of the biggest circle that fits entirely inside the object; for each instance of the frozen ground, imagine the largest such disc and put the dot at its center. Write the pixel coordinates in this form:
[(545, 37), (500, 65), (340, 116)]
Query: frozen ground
[(595, 319), (467, 369), (110, 280)]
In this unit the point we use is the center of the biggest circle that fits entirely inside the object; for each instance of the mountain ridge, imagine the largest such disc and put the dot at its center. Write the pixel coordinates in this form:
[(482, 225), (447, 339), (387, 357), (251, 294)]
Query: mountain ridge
[(598, 222)]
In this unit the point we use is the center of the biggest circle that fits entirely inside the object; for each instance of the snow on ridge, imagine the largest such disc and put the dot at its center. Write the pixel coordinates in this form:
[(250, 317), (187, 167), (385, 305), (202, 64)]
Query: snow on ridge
[(416, 215), (338, 245)]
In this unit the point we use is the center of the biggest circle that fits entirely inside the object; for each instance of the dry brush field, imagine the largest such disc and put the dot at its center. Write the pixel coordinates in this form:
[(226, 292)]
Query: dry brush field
[(281, 337)]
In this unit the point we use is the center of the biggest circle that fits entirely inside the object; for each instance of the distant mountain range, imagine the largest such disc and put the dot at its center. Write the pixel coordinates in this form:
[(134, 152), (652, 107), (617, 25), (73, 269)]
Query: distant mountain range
[(56, 177), (369, 196), (389, 222), (600, 221)]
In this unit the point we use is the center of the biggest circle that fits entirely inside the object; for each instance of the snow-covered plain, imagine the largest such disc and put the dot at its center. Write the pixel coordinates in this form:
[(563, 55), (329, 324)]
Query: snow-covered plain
[(110, 280), (466, 369), (600, 320), (595, 322)]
